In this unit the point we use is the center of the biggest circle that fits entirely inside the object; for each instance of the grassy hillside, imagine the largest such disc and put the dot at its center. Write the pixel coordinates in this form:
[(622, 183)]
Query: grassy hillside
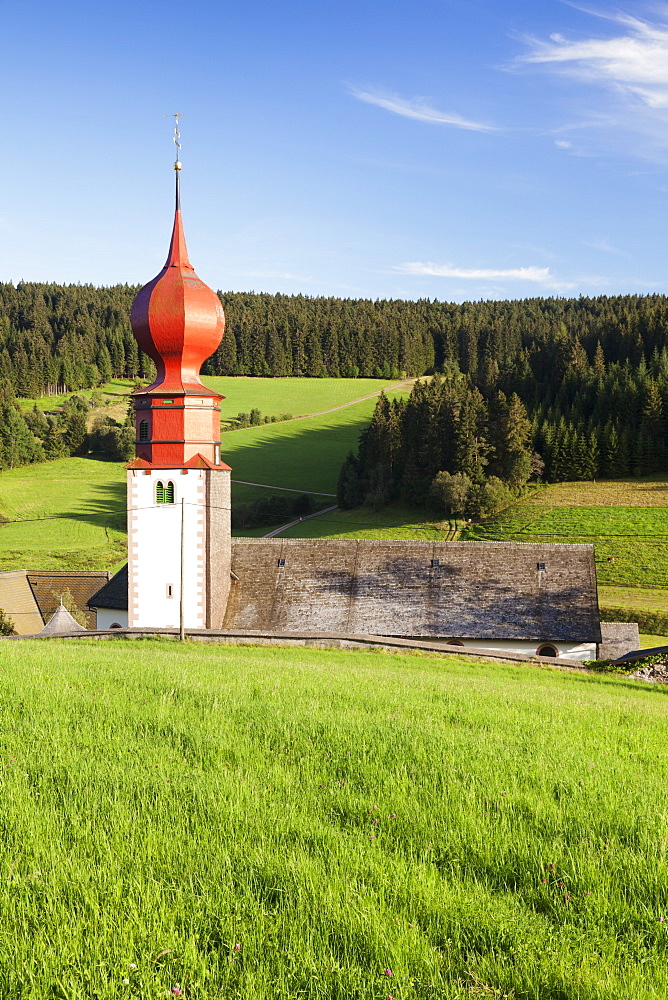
[(114, 398), (301, 454), (68, 514), (280, 823), (393, 521), (298, 396), (272, 396)]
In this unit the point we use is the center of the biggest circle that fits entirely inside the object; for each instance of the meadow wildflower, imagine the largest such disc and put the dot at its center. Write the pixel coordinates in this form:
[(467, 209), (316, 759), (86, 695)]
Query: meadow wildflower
[(237, 946), (388, 972)]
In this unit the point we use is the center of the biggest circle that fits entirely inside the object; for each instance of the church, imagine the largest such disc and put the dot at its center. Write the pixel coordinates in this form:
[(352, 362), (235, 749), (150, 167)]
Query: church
[(185, 571)]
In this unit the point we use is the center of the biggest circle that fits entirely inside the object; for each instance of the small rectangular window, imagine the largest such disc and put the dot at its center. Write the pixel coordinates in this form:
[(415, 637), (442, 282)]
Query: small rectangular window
[(435, 562), (281, 562), (170, 590), (540, 566), (167, 402)]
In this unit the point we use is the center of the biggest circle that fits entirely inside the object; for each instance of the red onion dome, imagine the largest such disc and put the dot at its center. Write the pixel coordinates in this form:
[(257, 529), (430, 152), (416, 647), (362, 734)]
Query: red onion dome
[(178, 321)]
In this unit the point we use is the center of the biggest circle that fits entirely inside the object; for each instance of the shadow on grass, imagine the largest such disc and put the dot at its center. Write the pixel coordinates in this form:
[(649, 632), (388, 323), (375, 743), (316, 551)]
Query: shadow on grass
[(303, 457), (104, 507)]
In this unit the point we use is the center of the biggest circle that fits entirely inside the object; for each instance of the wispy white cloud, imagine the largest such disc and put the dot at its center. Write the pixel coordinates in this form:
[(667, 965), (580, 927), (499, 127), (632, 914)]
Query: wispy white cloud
[(605, 247), (537, 275), (634, 62), (540, 274), (419, 109)]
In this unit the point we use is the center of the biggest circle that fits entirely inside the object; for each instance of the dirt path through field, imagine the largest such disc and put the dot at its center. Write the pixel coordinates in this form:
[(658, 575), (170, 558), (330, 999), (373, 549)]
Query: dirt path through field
[(284, 527), (406, 384)]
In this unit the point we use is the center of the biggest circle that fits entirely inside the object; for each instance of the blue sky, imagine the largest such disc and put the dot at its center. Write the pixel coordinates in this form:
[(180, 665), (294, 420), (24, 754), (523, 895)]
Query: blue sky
[(433, 148)]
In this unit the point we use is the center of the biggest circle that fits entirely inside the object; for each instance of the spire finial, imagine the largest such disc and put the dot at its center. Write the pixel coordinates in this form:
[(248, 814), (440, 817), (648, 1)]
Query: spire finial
[(177, 162)]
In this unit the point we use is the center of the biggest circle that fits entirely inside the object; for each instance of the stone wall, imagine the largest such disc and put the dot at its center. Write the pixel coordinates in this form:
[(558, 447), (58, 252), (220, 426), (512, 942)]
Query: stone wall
[(617, 638)]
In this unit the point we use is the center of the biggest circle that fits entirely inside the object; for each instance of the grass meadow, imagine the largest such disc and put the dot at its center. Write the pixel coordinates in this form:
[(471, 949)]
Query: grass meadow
[(393, 521), (298, 454), (258, 823), (116, 391), (68, 514), (298, 396), (272, 396)]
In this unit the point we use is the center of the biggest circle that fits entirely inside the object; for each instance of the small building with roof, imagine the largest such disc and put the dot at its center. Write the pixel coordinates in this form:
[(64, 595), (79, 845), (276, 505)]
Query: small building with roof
[(110, 603)]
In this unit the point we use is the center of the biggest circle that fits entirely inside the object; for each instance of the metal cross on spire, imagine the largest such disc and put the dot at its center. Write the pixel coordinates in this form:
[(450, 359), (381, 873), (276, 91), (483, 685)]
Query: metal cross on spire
[(177, 162)]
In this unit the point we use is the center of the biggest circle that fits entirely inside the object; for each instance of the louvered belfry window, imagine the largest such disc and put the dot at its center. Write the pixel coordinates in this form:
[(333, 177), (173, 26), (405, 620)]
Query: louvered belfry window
[(164, 492), (143, 430)]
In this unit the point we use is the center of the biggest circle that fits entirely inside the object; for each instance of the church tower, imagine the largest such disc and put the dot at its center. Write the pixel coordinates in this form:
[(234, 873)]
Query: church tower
[(179, 540)]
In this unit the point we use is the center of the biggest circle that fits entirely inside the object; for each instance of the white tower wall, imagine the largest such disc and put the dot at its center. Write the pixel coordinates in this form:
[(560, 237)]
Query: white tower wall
[(200, 512)]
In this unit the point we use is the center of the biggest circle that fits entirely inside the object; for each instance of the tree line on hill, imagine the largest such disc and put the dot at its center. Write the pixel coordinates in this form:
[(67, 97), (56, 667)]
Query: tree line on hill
[(468, 448), (35, 436), (591, 373)]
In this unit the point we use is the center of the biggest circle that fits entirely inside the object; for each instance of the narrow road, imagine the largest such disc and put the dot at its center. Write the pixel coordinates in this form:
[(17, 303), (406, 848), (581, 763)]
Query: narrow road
[(284, 527), (283, 489)]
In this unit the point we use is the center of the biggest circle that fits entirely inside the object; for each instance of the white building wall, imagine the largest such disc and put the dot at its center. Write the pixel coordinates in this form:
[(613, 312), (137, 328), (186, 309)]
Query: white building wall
[(106, 617), (566, 650), (154, 549)]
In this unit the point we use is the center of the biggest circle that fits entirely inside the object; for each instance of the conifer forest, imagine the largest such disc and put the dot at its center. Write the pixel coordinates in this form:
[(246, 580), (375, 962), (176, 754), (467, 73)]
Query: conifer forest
[(553, 388)]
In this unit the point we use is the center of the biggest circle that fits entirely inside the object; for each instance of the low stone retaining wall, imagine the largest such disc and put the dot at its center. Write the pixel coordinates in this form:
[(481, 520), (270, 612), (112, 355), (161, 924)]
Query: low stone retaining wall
[(321, 640)]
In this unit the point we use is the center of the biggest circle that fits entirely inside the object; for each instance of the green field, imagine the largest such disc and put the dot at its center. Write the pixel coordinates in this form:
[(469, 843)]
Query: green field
[(299, 454), (260, 823), (68, 514), (636, 538), (115, 391), (298, 396), (393, 521), (272, 396)]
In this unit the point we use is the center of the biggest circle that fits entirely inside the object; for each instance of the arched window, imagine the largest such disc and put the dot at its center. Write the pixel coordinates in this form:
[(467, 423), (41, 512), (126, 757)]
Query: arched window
[(143, 430), (547, 649), (454, 642), (164, 492)]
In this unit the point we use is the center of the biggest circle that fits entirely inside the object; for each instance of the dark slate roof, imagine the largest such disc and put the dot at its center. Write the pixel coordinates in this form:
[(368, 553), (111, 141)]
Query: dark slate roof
[(114, 594), (48, 587), (468, 590)]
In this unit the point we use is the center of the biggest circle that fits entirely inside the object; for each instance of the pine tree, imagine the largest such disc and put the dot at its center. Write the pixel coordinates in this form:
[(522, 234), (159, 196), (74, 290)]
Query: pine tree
[(54, 443), (76, 432)]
